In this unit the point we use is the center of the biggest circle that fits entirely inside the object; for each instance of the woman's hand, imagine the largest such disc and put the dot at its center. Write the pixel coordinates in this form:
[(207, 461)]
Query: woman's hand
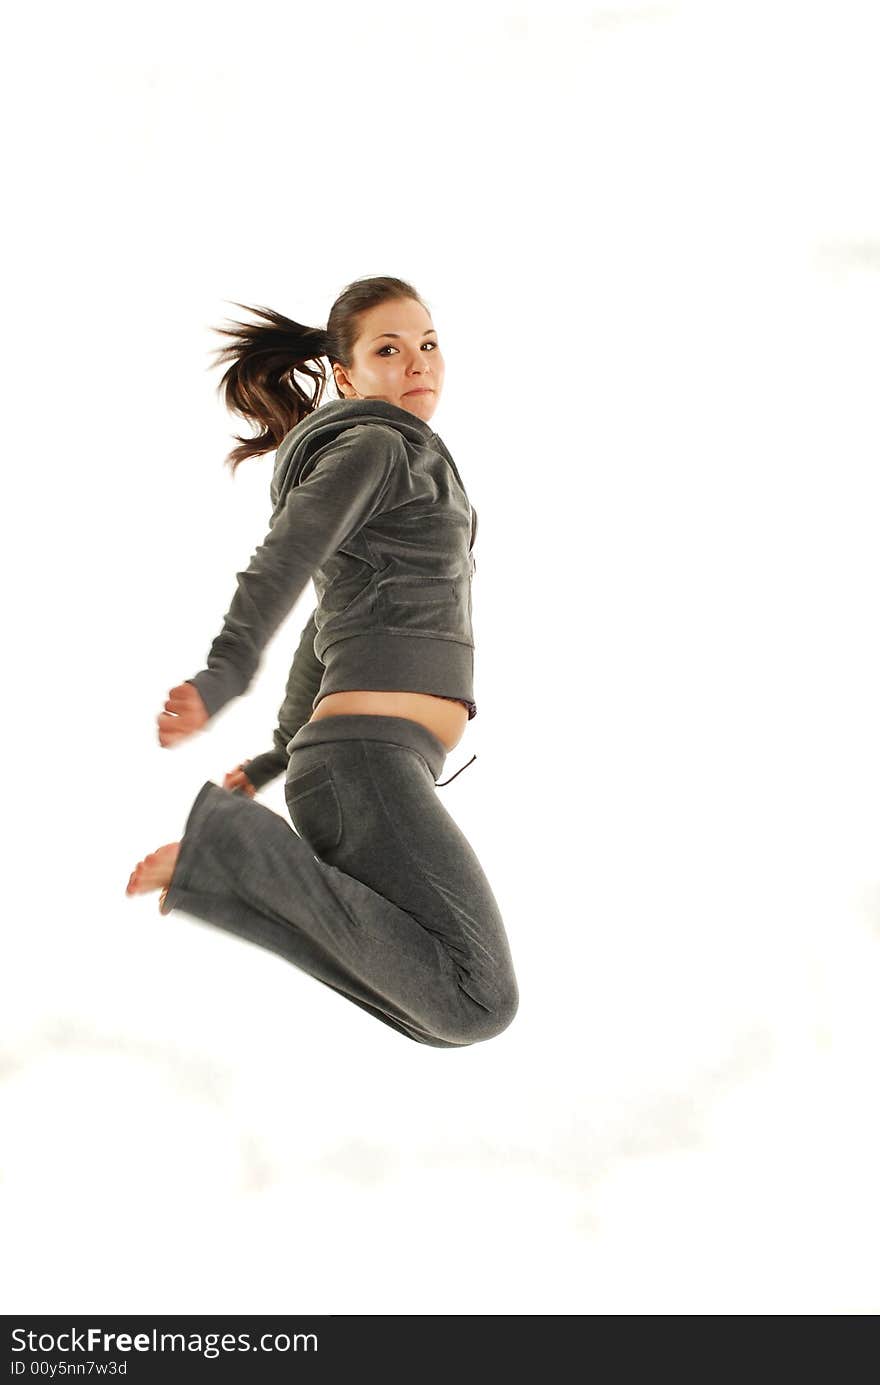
[(185, 713), (237, 779)]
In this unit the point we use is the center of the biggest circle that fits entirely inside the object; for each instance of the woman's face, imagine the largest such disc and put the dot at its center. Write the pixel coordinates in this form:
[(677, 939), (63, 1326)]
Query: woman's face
[(396, 353)]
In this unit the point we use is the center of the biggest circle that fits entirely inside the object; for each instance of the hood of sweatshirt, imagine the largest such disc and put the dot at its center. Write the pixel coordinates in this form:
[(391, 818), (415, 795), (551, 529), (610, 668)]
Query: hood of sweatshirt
[(299, 448)]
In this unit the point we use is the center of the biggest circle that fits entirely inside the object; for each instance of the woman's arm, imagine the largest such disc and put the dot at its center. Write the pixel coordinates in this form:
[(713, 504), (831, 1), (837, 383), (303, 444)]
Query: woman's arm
[(303, 683), (345, 490)]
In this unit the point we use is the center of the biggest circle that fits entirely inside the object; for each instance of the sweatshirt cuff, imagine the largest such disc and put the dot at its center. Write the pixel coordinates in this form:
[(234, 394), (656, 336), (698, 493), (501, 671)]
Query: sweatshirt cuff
[(216, 687), (264, 768)]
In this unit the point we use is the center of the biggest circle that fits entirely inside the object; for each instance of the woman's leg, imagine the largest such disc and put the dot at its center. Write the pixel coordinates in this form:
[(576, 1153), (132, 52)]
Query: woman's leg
[(380, 896)]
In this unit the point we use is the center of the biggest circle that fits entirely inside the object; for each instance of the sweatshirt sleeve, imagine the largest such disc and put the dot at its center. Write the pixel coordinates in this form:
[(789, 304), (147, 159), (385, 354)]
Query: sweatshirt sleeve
[(348, 486), (303, 682)]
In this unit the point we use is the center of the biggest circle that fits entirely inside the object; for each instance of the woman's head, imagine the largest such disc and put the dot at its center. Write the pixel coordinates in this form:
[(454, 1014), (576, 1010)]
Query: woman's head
[(379, 339), (395, 356)]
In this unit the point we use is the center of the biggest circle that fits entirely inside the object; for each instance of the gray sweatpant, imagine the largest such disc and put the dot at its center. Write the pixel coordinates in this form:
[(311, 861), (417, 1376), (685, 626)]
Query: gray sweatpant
[(378, 894)]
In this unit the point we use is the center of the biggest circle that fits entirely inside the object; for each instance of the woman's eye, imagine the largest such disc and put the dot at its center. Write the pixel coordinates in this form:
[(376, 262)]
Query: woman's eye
[(389, 347)]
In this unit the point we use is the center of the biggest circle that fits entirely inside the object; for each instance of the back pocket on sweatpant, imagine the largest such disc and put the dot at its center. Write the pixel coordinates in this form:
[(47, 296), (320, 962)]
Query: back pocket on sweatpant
[(314, 808)]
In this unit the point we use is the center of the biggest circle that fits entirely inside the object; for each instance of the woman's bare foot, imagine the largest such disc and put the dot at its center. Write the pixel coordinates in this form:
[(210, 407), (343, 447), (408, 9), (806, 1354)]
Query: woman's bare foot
[(154, 872)]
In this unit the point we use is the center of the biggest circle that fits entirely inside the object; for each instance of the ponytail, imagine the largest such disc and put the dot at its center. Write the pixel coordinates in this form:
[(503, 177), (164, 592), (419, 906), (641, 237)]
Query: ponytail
[(261, 384)]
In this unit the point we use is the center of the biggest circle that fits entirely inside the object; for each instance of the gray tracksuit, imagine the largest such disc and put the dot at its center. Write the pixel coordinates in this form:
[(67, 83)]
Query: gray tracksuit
[(377, 893)]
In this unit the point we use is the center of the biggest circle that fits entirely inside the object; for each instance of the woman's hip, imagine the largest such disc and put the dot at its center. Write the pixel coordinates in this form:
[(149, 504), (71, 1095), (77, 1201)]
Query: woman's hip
[(391, 730)]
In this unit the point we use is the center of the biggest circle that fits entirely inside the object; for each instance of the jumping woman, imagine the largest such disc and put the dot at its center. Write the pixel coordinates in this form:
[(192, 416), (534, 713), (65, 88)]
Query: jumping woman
[(377, 893)]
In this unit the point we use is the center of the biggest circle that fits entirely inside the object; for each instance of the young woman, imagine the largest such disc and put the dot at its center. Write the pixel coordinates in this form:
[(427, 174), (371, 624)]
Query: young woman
[(378, 893)]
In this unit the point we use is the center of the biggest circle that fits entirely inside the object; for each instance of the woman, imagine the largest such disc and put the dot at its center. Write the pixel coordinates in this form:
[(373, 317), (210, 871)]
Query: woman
[(377, 893)]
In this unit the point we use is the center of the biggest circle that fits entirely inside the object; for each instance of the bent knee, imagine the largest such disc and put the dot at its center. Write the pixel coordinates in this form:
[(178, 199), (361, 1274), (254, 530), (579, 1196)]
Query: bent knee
[(487, 1022), (505, 1009)]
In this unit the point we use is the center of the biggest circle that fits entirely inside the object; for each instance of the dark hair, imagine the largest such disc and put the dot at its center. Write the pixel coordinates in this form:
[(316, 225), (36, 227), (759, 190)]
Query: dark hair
[(266, 357)]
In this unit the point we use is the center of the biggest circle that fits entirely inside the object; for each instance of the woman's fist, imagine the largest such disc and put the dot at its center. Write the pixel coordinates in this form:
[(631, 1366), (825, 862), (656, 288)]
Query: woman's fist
[(237, 779), (184, 714)]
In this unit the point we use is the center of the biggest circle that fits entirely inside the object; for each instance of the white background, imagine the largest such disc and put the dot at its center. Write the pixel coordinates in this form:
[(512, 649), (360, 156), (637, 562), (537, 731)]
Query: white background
[(649, 236)]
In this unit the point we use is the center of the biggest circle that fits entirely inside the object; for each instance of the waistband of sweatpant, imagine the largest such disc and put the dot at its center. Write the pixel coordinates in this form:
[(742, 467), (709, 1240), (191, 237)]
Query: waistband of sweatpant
[(363, 726)]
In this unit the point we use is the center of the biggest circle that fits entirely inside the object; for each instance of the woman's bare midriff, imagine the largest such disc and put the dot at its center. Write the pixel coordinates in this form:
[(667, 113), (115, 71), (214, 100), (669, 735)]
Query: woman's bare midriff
[(445, 718)]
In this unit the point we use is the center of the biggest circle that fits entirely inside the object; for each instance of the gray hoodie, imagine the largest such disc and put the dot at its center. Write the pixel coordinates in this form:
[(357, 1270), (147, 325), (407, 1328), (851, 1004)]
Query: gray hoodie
[(368, 503)]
